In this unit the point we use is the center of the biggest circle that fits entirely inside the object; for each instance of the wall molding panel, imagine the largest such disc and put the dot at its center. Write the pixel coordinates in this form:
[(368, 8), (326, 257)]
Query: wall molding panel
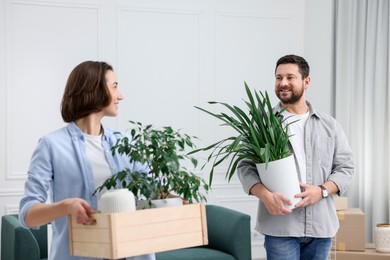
[(150, 27), (15, 176), (11, 193), (158, 10), (29, 38), (11, 209)]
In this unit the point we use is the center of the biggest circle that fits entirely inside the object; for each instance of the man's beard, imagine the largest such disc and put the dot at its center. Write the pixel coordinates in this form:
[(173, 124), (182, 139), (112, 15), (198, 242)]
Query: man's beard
[(294, 98)]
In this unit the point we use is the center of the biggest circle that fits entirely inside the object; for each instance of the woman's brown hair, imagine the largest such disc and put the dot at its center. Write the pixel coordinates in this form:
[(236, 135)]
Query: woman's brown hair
[(86, 90)]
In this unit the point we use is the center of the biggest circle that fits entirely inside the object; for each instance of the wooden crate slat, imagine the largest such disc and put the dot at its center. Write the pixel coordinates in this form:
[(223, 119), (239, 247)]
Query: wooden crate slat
[(203, 218), (91, 235), (148, 231), (159, 244), (157, 215), (93, 249)]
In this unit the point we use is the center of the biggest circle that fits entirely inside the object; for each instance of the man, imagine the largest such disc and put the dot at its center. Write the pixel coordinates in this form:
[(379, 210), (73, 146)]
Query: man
[(325, 166)]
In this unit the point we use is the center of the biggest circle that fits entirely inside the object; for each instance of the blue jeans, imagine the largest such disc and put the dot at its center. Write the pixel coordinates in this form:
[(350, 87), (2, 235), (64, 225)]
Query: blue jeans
[(297, 248)]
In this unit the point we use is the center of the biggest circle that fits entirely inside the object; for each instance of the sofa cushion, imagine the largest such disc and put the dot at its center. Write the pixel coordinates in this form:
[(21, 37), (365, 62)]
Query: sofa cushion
[(196, 253)]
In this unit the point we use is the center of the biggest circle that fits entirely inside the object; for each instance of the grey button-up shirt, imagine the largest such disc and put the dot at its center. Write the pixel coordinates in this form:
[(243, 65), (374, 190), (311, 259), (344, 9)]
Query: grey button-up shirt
[(328, 157)]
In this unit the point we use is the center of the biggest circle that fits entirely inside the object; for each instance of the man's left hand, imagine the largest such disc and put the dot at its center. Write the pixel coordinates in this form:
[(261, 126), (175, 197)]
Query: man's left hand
[(310, 195)]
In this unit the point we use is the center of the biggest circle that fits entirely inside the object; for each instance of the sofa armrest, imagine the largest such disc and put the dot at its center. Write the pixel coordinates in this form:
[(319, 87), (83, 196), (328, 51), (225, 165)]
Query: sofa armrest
[(229, 231), (19, 243)]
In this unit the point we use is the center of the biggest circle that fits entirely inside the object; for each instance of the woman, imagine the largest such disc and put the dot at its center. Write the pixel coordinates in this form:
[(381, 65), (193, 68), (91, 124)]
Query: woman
[(71, 162)]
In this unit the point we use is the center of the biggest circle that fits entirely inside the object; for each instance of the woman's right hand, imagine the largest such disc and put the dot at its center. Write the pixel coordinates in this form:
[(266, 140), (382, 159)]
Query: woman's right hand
[(80, 210)]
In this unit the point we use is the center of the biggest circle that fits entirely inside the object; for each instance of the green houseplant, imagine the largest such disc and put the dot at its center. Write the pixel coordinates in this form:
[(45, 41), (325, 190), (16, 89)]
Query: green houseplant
[(164, 152), (261, 135)]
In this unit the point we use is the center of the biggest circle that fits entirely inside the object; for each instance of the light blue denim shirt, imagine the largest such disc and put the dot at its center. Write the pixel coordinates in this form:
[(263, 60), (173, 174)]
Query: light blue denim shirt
[(60, 167), (328, 157)]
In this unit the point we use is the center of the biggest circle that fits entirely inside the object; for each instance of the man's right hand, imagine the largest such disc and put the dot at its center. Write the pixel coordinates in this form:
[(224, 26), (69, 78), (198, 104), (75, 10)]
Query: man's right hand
[(274, 202)]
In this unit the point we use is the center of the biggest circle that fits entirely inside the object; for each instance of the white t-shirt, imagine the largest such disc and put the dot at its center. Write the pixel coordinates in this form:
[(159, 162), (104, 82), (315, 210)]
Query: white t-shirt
[(95, 153), (297, 139)]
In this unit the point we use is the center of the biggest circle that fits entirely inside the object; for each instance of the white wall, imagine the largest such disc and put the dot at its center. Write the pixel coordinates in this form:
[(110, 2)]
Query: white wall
[(318, 47), (169, 56)]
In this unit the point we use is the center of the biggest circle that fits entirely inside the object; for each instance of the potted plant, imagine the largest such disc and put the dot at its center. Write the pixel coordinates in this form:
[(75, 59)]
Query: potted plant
[(164, 152), (261, 136)]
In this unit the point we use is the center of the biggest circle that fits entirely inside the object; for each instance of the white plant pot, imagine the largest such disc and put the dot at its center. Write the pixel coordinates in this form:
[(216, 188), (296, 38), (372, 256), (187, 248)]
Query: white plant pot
[(281, 176), (143, 204), (167, 202), (117, 200)]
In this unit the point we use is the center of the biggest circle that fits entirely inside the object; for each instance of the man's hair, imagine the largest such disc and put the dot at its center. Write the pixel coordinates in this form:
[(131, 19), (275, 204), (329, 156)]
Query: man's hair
[(303, 66), (86, 90)]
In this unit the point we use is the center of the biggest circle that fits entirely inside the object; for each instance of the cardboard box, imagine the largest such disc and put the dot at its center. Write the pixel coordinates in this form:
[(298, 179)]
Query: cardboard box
[(341, 203), (351, 235), (332, 255), (368, 254), (118, 235)]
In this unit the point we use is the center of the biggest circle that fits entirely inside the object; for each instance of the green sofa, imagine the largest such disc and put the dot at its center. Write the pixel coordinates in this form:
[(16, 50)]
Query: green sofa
[(18, 243), (228, 234)]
